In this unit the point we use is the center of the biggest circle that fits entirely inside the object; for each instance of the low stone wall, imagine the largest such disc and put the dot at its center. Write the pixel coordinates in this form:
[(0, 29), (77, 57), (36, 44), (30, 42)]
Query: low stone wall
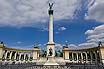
[(67, 66), (33, 67)]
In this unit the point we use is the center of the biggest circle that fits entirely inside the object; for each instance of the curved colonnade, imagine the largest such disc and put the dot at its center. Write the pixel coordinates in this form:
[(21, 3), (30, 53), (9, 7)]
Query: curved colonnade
[(89, 55), (21, 55)]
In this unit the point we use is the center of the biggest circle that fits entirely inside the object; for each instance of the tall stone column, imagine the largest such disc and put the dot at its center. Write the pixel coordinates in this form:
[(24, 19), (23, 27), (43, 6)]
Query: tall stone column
[(24, 56), (15, 55), (10, 55), (19, 56), (77, 57), (50, 44), (86, 56), (72, 57), (91, 56), (6, 55), (50, 26), (28, 56), (82, 55), (95, 56)]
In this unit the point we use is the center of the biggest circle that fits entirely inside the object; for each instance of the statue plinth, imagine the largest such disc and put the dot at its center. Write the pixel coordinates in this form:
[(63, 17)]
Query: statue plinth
[(51, 54), (51, 61), (50, 49)]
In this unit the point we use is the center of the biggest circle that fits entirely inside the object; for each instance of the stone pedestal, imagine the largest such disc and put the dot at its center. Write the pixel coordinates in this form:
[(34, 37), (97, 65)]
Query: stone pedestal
[(50, 46), (51, 61)]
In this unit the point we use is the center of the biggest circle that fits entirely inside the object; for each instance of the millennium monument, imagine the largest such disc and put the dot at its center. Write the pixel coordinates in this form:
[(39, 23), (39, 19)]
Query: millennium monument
[(50, 44), (93, 55)]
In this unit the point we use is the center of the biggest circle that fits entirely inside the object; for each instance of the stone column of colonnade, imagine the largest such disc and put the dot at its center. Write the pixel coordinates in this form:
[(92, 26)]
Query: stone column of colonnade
[(10, 56), (77, 56), (86, 57), (91, 56), (94, 56), (20, 56), (94, 52), (15, 55), (24, 55), (82, 56), (72, 57), (6, 54), (29, 55)]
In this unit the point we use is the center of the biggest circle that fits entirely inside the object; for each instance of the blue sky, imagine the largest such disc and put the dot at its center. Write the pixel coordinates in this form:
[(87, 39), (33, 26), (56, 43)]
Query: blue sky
[(24, 23)]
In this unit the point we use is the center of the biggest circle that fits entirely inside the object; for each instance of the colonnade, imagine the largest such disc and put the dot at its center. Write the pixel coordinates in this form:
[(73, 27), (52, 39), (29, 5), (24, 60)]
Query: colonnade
[(82, 56), (90, 56), (15, 55)]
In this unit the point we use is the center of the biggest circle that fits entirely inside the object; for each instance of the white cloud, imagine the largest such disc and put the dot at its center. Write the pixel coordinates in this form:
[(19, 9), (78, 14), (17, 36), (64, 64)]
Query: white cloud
[(96, 30), (72, 46), (87, 45), (94, 36), (20, 13), (62, 28), (56, 32), (18, 42), (96, 11)]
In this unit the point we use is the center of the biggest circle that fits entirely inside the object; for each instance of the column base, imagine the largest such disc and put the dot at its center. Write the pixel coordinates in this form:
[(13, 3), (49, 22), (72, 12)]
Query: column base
[(51, 61), (50, 43)]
